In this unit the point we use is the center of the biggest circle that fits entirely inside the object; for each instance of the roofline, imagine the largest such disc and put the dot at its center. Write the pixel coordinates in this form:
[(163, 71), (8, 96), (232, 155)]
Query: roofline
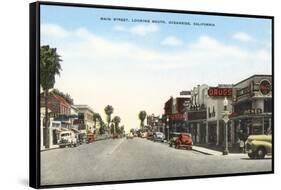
[(253, 77), (84, 106)]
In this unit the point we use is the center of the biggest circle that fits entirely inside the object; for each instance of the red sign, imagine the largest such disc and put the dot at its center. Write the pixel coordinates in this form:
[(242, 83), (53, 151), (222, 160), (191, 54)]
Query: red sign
[(215, 91), (265, 87), (177, 116)]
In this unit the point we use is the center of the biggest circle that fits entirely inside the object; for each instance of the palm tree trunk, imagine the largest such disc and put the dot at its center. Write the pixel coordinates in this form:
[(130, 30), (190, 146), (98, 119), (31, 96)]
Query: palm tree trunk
[(114, 131), (108, 122), (47, 120)]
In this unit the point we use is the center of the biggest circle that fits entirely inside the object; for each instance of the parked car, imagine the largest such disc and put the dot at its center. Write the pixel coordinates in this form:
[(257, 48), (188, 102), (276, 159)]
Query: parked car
[(129, 136), (257, 146), (173, 138), (149, 135), (184, 140), (158, 136), (67, 138)]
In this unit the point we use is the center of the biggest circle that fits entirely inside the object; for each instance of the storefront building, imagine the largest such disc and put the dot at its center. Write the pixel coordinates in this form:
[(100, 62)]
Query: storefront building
[(252, 106), (58, 114), (216, 128), (174, 115), (85, 116), (204, 114)]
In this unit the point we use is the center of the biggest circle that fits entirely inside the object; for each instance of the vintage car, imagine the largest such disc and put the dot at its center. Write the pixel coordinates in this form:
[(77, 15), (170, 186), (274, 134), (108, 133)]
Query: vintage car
[(158, 136), (129, 136), (257, 146), (173, 138), (184, 140), (67, 138)]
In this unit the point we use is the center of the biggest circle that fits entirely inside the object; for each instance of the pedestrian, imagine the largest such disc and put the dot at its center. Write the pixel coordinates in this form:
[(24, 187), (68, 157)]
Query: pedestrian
[(241, 146)]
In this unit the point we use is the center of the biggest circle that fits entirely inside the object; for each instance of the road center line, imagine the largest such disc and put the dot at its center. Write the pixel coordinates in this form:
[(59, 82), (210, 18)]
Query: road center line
[(116, 146)]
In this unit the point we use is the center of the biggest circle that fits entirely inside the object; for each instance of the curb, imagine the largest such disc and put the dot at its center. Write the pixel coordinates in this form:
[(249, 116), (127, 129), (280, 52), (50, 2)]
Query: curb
[(201, 152)]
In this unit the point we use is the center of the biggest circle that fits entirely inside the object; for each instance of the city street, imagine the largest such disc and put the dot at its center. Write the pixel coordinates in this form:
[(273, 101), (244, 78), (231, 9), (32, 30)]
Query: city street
[(129, 159)]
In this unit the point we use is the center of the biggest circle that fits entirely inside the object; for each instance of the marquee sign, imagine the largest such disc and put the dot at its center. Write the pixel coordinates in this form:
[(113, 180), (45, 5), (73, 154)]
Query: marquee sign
[(217, 92)]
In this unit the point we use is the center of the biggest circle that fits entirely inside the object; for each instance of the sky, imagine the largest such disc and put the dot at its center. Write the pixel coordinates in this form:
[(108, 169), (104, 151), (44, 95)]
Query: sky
[(136, 66)]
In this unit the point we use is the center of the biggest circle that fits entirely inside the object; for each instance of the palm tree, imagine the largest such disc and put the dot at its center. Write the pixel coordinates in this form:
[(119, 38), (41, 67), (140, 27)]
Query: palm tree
[(108, 111), (112, 128), (49, 68), (142, 116), (116, 120)]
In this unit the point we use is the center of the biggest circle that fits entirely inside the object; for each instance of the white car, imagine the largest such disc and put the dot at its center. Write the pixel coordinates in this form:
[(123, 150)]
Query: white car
[(67, 138), (129, 136)]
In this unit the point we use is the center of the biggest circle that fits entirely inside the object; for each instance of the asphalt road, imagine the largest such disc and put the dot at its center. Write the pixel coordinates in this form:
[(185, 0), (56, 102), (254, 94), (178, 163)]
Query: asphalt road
[(130, 159)]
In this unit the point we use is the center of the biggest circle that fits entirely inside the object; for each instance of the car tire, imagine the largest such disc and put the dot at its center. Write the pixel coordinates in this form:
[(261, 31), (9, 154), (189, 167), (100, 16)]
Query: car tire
[(251, 155), (260, 153)]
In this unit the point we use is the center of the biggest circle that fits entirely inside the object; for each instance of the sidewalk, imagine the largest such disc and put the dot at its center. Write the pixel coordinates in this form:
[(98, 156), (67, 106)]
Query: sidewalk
[(208, 151)]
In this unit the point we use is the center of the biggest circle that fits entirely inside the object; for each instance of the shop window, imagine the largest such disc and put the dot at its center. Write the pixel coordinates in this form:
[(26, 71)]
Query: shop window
[(268, 105), (209, 112), (213, 113)]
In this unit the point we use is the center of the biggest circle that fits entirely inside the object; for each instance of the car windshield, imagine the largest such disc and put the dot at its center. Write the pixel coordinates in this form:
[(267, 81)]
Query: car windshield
[(65, 134)]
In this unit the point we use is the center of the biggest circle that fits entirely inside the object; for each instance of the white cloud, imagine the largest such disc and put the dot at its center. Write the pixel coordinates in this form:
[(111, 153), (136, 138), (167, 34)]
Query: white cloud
[(140, 30), (242, 36), (53, 30), (119, 28), (85, 46), (172, 41), (94, 66)]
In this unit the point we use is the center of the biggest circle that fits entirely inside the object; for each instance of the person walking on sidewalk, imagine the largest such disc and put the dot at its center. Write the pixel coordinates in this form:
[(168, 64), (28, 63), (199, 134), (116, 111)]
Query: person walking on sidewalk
[(241, 144)]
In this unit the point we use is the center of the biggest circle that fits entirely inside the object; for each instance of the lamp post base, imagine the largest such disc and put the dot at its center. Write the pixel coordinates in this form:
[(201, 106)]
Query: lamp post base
[(225, 152)]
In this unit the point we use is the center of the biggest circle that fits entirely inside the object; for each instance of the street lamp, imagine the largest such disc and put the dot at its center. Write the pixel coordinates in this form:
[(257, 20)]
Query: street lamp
[(225, 117), (168, 131)]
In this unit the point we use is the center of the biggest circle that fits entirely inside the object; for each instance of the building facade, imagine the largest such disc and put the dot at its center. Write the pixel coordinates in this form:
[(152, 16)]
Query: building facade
[(175, 115), (204, 114), (58, 114), (252, 106), (85, 115)]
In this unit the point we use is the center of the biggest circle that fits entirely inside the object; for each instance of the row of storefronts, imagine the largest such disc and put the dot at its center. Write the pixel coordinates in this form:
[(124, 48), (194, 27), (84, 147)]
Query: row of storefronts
[(200, 112), (63, 117)]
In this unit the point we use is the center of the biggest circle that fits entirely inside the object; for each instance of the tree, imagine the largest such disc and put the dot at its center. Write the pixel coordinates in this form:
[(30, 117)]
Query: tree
[(122, 128), (102, 127), (96, 117), (142, 116), (132, 131), (112, 128), (108, 111), (49, 68), (116, 120), (66, 96)]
